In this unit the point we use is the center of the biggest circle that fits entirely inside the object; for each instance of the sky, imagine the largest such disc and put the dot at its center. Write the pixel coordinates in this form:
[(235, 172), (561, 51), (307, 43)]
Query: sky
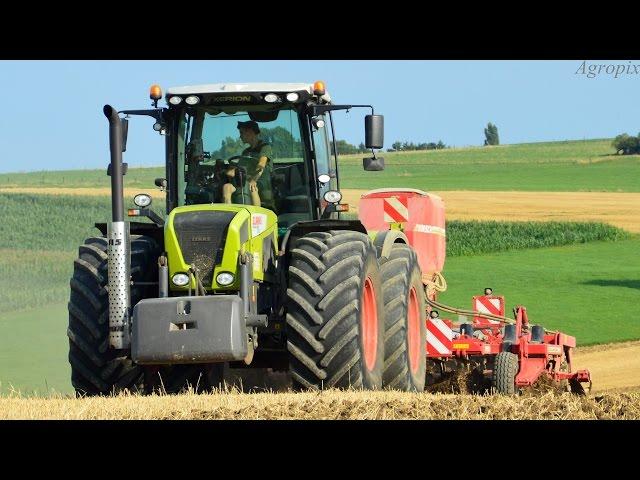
[(52, 110)]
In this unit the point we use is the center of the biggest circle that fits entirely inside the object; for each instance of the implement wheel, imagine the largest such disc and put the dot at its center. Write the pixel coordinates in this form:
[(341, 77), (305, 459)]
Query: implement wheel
[(335, 312), (505, 370), (405, 321)]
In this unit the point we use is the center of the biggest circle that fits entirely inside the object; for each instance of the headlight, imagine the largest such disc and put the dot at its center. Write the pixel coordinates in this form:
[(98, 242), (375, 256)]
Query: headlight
[(271, 98), (192, 100), (180, 279), (225, 278), (292, 97), (175, 100), (142, 200), (333, 196)]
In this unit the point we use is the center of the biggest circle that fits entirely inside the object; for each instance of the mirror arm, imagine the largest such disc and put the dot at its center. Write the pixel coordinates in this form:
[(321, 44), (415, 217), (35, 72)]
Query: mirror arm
[(320, 109), (155, 113)]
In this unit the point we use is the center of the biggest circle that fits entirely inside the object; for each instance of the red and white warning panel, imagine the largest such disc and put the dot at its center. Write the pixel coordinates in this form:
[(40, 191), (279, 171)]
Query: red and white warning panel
[(439, 337), (396, 209), (493, 304), (421, 216)]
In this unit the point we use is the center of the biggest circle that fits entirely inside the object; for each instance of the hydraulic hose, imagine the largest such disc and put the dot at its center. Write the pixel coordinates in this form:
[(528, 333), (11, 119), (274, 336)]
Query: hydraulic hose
[(462, 311)]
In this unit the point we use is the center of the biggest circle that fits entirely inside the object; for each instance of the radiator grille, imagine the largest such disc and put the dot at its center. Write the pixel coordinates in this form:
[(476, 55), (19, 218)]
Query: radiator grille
[(201, 237)]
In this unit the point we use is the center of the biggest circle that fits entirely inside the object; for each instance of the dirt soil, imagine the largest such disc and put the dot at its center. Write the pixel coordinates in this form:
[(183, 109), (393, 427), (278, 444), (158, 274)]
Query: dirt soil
[(98, 192), (619, 209), (613, 367)]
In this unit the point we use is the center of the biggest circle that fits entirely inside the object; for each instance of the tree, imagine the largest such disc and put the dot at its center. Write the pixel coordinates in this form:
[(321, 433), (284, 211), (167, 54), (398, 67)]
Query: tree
[(283, 145), (345, 148), (491, 135), (626, 144)]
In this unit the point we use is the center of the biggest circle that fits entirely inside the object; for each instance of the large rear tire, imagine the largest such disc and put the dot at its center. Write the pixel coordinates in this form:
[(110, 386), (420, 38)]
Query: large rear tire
[(97, 369), (335, 312), (405, 321)]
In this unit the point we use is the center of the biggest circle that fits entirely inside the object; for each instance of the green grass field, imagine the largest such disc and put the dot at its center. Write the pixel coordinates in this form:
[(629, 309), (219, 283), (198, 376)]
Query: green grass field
[(590, 291), (581, 278), (589, 165), (34, 349), (586, 290)]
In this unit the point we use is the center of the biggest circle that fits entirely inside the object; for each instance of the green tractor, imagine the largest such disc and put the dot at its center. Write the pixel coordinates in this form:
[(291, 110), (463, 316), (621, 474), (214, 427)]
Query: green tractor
[(276, 281)]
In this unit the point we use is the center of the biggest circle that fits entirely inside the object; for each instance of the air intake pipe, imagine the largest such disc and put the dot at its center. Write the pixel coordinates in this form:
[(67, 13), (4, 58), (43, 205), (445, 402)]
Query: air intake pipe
[(118, 251)]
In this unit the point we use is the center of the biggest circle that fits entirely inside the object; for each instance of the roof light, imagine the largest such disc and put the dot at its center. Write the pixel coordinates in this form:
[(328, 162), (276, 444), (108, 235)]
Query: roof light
[(175, 100), (155, 92), (318, 122), (292, 97), (271, 98), (192, 100), (318, 88)]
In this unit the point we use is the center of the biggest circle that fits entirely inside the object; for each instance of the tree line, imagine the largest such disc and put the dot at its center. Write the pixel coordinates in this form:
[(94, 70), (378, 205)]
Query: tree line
[(284, 145)]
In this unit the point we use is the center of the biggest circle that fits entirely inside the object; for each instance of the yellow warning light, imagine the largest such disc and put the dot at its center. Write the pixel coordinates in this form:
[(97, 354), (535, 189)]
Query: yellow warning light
[(155, 92), (318, 88)]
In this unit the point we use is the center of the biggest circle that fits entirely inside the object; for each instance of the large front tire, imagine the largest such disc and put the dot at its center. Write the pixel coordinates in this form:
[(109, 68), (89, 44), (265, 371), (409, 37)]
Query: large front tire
[(335, 312), (405, 321), (96, 369)]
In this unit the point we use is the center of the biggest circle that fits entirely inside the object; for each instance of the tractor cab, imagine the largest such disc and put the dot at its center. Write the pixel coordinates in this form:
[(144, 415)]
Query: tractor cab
[(222, 132)]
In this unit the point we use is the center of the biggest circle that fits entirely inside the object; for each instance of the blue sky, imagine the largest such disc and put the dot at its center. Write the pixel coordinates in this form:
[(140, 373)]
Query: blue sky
[(52, 110)]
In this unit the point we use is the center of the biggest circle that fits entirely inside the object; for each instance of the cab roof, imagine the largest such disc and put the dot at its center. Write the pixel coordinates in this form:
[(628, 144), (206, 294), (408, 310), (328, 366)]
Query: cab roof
[(241, 87)]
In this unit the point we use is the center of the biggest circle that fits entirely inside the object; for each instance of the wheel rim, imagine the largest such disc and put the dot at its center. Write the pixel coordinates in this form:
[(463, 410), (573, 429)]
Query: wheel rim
[(369, 321), (413, 331)]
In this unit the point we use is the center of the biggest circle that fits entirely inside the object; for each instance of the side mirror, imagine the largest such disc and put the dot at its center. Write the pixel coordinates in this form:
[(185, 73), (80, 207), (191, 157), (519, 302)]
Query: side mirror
[(374, 131), (373, 164), (125, 130), (161, 183)]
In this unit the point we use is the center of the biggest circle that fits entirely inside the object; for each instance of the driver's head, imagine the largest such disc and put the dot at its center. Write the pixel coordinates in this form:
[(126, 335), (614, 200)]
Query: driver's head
[(248, 131)]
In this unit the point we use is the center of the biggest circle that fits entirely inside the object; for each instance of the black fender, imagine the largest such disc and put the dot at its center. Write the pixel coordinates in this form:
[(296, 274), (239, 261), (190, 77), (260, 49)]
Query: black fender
[(385, 240)]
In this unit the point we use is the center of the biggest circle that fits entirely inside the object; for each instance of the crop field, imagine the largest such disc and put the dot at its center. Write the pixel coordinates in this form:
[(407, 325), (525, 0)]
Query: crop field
[(552, 226), (512, 257)]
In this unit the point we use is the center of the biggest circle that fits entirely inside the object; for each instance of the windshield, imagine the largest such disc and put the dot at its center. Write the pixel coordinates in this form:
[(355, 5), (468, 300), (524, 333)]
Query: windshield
[(248, 157)]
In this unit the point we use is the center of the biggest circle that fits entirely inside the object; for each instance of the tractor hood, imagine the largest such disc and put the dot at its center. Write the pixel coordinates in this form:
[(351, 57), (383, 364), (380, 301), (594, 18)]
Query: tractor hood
[(210, 238)]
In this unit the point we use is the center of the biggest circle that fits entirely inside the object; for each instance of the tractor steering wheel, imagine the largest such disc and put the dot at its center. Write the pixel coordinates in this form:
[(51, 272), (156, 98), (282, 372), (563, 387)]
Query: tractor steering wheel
[(238, 157)]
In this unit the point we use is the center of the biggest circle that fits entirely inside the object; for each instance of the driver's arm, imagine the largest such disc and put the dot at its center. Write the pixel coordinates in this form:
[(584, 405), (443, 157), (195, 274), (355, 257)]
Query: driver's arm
[(260, 166), (265, 154)]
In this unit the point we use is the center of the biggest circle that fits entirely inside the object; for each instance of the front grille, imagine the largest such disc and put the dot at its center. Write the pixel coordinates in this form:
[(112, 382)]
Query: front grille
[(201, 237)]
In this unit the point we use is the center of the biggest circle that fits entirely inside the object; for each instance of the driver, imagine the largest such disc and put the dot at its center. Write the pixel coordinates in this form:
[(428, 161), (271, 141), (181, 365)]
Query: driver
[(258, 166)]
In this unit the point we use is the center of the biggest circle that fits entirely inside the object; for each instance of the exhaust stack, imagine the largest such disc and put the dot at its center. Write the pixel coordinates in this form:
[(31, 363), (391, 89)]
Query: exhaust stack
[(118, 251)]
